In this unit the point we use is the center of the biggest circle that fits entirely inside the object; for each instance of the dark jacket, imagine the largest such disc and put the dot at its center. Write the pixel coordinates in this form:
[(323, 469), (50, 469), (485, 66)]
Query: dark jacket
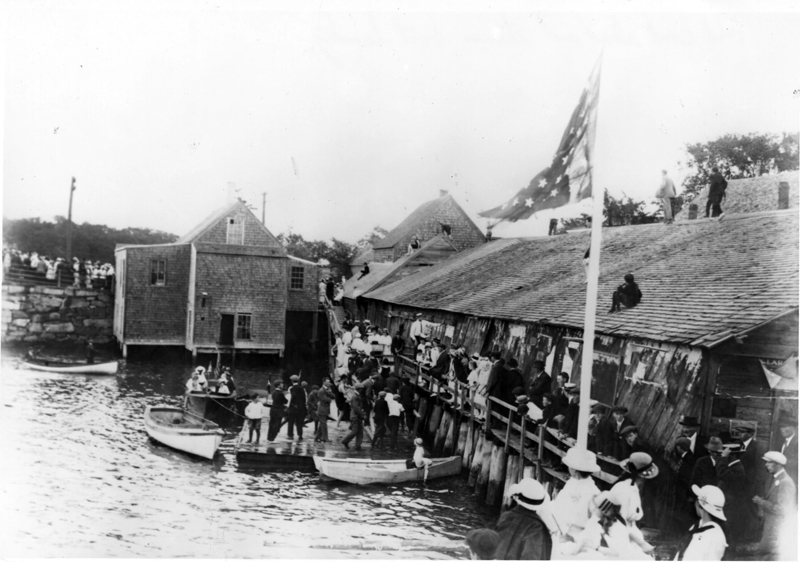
[(278, 403), (548, 413), (494, 377), (704, 473), (398, 344), (442, 366), (509, 380), (356, 408), (392, 384), (613, 443), (381, 410), (716, 187), (629, 294), (571, 419), (407, 395), (523, 536), (324, 399), (297, 404), (562, 398), (540, 386)]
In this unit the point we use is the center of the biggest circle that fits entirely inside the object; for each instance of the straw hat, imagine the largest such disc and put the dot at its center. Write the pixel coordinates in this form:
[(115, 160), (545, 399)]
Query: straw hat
[(711, 499), (641, 464), (529, 493), (581, 459)]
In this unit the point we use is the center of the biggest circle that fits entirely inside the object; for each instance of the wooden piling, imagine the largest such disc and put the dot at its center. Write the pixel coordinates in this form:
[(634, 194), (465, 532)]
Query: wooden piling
[(486, 464), (451, 437), (441, 434), (422, 411), (497, 476), (461, 437), (512, 477), (475, 465), (433, 422), (469, 446)]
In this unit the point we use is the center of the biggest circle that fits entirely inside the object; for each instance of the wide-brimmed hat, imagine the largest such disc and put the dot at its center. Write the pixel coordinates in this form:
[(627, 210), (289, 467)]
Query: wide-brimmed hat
[(775, 456), (711, 499), (582, 460), (689, 421), (606, 502), (641, 464), (418, 314), (529, 493), (475, 356)]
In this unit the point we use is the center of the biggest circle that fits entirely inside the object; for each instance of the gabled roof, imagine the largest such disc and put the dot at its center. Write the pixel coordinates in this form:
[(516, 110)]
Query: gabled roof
[(210, 221), (750, 195), (699, 278), (365, 257), (411, 222)]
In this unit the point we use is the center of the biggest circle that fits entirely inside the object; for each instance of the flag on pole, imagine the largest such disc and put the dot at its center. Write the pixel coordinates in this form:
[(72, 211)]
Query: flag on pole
[(568, 178)]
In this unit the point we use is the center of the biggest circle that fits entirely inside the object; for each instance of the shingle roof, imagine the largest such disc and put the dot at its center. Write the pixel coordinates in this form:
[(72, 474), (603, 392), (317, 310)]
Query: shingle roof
[(411, 222), (698, 278), (362, 258), (209, 221), (355, 287), (750, 195)]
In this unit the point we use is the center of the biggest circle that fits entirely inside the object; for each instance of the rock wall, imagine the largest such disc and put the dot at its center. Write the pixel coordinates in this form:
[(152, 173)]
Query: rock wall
[(48, 314)]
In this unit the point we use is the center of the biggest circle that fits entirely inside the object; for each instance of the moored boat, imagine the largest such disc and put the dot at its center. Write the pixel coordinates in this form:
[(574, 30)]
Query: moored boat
[(368, 471), (107, 368), (183, 430)]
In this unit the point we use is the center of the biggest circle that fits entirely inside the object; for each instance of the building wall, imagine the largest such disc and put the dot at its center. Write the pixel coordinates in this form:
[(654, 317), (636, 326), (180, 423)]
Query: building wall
[(305, 299), (464, 233), (156, 313), (241, 284), (254, 232)]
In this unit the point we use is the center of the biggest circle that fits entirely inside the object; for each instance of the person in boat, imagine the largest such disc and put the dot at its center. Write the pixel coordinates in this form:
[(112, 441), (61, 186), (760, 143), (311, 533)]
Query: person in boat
[(254, 412), (706, 539), (276, 411), (90, 351), (523, 533), (571, 508), (225, 384), (482, 543), (420, 460), (201, 377), (193, 384)]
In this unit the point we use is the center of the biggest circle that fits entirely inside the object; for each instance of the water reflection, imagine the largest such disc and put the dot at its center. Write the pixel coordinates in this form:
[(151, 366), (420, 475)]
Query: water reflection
[(85, 480)]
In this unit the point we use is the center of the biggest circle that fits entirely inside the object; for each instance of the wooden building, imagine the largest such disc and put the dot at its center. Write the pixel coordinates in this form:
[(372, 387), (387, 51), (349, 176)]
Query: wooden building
[(226, 286), (720, 306), (431, 219)]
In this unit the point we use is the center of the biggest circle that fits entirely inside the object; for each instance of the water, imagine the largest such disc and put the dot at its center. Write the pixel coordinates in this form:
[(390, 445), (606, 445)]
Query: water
[(82, 479)]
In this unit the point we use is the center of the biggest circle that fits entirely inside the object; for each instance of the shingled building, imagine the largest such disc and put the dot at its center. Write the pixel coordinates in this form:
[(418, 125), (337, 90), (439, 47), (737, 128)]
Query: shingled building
[(226, 286)]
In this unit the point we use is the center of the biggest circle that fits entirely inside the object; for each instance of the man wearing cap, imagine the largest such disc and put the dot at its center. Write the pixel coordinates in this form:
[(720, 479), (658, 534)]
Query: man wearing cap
[(296, 410), (778, 507), (788, 445), (614, 446), (631, 442), (523, 533), (540, 383), (324, 398), (706, 538)]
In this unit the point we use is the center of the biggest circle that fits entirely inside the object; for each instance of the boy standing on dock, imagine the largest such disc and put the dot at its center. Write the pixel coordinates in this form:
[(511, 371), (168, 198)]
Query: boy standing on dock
[(254, 412)]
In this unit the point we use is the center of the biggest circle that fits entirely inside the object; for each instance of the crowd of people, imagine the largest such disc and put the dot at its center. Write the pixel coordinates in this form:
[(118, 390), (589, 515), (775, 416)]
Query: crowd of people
[(330, 290), (80, 273)]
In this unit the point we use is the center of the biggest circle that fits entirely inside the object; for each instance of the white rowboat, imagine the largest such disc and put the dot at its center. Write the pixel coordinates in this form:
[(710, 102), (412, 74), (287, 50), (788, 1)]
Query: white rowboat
[(368, 471), (182, 430), (108, 368)]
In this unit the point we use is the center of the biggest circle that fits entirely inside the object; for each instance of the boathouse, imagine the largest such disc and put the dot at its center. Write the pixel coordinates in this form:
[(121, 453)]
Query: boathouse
[(440, 216), (715, 336), (226, 286)]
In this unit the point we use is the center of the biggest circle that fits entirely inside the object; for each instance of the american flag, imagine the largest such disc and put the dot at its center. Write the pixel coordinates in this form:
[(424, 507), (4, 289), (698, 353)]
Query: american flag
[(568, 178)]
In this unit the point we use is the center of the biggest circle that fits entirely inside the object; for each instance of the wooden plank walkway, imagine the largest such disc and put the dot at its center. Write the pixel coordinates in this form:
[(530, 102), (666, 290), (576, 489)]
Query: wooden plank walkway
[(297, 454)]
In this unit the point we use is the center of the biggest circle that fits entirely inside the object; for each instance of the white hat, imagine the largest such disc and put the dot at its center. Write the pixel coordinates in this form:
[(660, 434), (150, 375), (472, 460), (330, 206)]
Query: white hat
[(711, 499), (775, 456), (581, 459), (529, 493)]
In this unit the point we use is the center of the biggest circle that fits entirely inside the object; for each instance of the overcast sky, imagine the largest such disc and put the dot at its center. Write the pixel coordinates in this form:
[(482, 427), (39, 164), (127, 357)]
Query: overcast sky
[(351, 114)]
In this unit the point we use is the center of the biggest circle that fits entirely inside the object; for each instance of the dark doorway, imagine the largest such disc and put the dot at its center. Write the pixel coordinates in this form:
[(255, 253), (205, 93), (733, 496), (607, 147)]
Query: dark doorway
[(226, 329)]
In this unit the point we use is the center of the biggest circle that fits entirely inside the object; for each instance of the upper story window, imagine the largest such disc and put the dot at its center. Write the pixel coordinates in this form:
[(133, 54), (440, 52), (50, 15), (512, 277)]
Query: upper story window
[(235, 230), (158, 272), (243, 326), (297, 277)]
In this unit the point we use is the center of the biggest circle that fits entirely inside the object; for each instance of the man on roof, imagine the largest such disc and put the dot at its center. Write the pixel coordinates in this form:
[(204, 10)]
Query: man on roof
[(627, 295)]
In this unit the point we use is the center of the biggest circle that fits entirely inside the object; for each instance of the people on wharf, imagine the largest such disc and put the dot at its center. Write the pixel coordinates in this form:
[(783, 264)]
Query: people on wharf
[(276, 411), (324, 398), (394, 417), (356, 419), (312, 404), (342, 404), (637, 470), (254, 412), (296, 408), (540, 383), (614, 443), (406, 398), (706, 538), (523, 533), (778, 510), (482, 543), (571, 508), (628, 294)]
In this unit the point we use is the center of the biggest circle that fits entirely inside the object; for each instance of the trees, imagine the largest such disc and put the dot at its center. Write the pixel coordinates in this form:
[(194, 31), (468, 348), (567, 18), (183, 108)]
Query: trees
[(738, 156), (618, 211)]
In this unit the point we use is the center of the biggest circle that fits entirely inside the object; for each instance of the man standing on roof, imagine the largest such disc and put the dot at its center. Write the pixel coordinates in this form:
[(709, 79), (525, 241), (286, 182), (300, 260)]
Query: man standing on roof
[(666, 192), (716, 193)]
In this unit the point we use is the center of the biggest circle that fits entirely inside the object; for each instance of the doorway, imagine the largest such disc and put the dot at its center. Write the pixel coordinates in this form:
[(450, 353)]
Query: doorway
[(226, 324)]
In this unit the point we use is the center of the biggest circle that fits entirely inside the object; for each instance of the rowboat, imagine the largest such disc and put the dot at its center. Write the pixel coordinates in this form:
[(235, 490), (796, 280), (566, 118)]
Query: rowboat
[(368, 471), (182, 430), (218, 408), (108, 368)]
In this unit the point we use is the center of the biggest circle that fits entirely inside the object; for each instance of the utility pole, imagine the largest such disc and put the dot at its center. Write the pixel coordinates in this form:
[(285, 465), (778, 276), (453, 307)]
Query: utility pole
[(69, 225), (263, 205)]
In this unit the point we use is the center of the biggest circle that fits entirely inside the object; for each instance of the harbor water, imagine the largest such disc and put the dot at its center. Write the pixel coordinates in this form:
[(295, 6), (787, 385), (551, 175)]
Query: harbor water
[(82, 479)]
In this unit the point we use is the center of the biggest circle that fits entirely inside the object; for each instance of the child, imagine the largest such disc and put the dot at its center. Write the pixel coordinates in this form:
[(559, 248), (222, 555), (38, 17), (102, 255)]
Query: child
[(482, 543), (419, 458)]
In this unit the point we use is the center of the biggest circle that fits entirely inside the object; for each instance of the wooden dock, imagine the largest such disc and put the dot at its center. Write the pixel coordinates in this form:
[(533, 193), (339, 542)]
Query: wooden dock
[(299, 455)]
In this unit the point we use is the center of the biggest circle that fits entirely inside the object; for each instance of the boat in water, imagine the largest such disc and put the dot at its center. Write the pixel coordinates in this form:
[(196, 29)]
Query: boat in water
[(183, 430), (368, 471), (107, 368)]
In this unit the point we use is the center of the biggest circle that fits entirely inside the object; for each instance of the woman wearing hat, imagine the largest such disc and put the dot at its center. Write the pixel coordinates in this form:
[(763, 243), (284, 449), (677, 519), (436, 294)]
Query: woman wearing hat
[(706, 539), (523, 533), (570, 509), (638, 469)]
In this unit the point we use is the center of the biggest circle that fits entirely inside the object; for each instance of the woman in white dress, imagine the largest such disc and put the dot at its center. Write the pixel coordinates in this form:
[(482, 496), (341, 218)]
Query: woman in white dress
[(571, 508), (706, 538), (638, 468)]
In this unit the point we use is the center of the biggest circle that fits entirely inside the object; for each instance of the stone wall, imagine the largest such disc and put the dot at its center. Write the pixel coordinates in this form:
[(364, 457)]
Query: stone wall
[(48, 314)]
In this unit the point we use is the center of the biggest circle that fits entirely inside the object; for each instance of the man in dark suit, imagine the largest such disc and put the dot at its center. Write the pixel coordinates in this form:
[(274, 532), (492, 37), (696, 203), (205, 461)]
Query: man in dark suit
[(297, 409), (442, 367), (614, 444), (495, 374), (510, 379), (751, 458), (682, 462), (690, 428), (560, 393), (568, 425), (541, 383)]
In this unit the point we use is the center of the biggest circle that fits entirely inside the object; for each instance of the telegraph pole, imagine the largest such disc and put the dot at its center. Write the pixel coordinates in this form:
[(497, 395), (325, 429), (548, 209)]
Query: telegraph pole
[(69, 225), (263, 205)]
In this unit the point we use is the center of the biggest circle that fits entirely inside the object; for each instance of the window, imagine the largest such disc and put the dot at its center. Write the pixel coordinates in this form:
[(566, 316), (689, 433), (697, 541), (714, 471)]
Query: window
[(243, 323), (158, 272), (235, 230), (297, 278)]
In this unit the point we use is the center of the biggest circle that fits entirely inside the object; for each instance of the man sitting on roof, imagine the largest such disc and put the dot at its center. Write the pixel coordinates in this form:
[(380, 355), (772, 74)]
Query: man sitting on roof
[(627, 294), (364, 272)]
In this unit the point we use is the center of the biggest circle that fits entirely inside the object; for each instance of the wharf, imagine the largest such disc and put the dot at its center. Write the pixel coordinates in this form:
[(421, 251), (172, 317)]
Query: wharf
[(299, 455)]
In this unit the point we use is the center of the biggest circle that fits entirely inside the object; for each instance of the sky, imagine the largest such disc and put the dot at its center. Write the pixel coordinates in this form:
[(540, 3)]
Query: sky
[(349, 115)]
